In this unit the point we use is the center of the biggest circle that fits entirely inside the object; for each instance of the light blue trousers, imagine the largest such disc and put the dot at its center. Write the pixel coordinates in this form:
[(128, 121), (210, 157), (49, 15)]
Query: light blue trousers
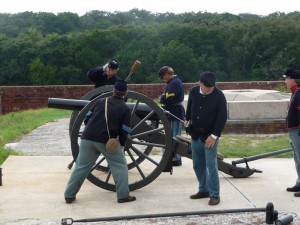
[(295, 143), (88, 155), (206, 167), (176, 130)]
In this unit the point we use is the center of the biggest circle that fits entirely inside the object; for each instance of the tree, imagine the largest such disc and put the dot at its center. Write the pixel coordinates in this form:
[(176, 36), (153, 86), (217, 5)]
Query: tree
[(41, 74), (181, 58)]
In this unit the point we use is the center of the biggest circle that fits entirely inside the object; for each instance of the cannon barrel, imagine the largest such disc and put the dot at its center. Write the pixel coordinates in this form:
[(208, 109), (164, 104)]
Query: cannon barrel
[(77, 105), (69, 104)]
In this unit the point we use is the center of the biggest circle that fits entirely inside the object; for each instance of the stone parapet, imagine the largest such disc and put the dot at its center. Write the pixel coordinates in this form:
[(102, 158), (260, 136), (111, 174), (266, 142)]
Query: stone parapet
[(257, 110)]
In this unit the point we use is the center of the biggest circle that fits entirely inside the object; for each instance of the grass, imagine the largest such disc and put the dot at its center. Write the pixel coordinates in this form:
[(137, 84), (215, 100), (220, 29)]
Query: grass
[(239, 146), (16, 124), (282, 88)]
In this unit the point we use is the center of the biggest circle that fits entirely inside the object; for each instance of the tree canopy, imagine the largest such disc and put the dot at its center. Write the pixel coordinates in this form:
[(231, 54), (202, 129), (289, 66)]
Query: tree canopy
[(48, 49)]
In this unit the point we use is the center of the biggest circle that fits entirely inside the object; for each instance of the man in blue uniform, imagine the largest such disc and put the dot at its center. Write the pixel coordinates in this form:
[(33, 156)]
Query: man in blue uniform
[(292, 81), (207, 111), (93, 143), (172, 101), (105, 75)]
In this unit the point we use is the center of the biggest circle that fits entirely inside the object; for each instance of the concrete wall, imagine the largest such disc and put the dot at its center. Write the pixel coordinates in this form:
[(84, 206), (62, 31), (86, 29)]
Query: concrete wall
[(257, 110), (254, 110)]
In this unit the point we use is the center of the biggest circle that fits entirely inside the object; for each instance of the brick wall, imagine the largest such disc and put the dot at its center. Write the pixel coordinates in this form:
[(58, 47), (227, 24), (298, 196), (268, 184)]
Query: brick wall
[(255, 127), (13, 98), (32, 97)]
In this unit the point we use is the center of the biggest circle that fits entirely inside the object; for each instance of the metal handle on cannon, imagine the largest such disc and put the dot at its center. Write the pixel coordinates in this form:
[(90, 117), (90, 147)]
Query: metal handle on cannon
[(260, 156)]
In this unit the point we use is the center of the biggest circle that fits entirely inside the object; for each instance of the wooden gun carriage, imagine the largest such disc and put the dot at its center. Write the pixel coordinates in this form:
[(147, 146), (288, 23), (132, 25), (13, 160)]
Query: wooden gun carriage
[(149, 145)]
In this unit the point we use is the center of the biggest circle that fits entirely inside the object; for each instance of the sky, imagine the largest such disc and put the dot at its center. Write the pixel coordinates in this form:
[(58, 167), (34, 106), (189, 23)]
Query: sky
[(258, 7)]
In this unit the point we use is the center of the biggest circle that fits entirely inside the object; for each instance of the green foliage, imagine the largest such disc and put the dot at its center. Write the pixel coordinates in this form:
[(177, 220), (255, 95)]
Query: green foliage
[(250, 145), (4, 153), (16, 124), (41, 74), (282, 88), (48, 49)]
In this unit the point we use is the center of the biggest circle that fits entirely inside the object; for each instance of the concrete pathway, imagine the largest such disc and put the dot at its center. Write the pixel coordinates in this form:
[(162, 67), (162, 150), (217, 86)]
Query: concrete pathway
[(33, 186)]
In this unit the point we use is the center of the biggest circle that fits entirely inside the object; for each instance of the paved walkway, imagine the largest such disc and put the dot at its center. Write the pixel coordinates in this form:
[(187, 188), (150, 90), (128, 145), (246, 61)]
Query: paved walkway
[(33, 186)]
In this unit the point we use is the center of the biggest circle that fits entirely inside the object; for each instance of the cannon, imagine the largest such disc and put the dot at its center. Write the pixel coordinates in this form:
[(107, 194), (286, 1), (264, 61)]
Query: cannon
[(149, 145)]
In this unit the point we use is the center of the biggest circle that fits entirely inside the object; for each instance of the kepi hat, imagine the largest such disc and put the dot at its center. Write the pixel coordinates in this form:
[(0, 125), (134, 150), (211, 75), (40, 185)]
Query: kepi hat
[(208, 79), (292, 73), (163, 71), (113, 64), (121, 85)]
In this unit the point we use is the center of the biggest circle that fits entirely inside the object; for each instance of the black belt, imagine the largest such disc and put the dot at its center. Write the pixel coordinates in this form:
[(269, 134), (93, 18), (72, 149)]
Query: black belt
[(200, 129), (180, 103)]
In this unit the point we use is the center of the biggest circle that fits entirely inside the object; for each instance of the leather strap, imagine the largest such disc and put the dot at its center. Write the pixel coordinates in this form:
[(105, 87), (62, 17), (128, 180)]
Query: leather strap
[(106, 117)]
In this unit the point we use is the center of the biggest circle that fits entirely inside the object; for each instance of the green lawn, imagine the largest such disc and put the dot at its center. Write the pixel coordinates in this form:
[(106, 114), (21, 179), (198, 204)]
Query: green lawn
[(14, 125), (249, 145)]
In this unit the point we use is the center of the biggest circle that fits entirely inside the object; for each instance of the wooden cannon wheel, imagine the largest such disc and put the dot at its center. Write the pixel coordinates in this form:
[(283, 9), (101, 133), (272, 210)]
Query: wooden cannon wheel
[(90, 96), (148, 148)]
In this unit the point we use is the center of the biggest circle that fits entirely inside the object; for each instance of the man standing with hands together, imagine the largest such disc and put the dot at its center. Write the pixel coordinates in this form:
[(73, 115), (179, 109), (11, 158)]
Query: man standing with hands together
[(207, 113)]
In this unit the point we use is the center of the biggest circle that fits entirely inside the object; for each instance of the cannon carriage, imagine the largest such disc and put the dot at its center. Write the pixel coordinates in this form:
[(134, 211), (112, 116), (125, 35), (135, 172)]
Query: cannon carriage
[(149, 145)]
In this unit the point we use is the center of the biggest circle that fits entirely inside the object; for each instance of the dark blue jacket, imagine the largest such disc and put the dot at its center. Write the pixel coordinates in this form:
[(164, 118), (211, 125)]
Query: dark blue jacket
[(118, 115), (293, 117), (173, 97), (99, 77), (208, 113)]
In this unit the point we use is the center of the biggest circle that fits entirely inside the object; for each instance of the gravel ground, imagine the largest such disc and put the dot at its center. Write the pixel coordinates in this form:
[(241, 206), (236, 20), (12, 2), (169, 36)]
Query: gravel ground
[(51, 138)]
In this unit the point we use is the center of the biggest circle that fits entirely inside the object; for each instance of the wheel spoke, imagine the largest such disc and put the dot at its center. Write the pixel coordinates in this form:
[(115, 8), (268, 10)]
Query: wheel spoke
[(108, 176), (147, 132), (135, 108), (136, 165), (139, 153), (148, 144), (143, 120), (98, 163)]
